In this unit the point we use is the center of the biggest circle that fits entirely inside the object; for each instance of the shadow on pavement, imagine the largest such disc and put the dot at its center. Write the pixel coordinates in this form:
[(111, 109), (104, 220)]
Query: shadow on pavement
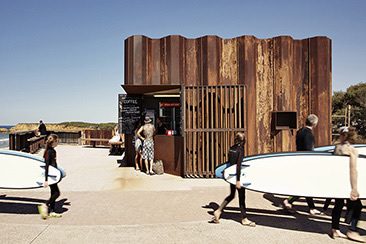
[(24, 205), (281, 218)]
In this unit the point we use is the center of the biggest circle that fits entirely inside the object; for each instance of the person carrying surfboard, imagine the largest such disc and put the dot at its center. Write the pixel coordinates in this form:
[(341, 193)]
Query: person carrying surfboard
[(304, 142), (236, 155), (354, 204), (48, 209)]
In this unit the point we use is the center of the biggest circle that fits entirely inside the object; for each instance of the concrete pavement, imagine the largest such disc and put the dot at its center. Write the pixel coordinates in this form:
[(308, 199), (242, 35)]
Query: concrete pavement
[(103, 203)]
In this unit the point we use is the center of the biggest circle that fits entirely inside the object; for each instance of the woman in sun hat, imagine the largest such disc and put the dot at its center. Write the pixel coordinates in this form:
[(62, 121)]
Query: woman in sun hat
[(148, 131)]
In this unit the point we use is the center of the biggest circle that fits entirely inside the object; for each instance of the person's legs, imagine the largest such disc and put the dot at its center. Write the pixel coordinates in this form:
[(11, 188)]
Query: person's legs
[(147, 166), (137, 160), (311, 205), (55, 193), (310, 202), (226, 201), (327, 203), (287, 203), (241, 193), (151, 163), (336, 215), (145, 157), (245, 221), (354, 208), (140, 160), (292, 199), (151, 154)]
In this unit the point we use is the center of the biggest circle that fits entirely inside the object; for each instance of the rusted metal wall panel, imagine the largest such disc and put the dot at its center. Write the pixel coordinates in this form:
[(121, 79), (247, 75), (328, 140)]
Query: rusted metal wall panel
[(264, 94), (228, 62), (154, 60), (248, 46), (301, 79), (283, 55), (191, 62), (210, 59), (320, 83)]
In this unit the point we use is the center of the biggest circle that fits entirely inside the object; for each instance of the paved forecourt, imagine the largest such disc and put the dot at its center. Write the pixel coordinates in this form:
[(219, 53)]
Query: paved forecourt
[(104, 203)]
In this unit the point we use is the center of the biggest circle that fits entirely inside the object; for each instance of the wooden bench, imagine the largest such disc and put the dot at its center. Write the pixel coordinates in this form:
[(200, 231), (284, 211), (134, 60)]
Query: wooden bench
[(116, 147), (93, 141), (35, 143)]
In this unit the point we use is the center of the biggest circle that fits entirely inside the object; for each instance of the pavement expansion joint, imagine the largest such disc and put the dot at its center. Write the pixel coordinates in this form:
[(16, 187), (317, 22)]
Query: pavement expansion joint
[(39, 234)]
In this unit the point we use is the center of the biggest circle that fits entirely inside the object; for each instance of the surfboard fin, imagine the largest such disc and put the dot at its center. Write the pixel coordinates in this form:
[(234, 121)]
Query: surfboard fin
[(52, 176)]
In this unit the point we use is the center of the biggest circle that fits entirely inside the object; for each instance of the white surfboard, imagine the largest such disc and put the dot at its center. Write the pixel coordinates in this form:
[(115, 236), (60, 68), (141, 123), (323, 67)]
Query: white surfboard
[(20, 170), (308, 174), (361, 148)]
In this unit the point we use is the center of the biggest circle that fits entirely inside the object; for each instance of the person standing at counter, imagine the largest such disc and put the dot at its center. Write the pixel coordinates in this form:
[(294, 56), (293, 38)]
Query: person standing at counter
[(160, 127), (148, 131)]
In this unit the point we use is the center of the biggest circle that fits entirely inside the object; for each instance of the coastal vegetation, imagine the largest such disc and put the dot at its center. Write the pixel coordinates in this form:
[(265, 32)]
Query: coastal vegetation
[(64, 126), (355, 96)]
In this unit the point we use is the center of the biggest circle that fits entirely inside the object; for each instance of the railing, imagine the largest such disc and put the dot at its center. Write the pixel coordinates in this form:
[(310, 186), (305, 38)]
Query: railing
[(68, 137), (25, 141)]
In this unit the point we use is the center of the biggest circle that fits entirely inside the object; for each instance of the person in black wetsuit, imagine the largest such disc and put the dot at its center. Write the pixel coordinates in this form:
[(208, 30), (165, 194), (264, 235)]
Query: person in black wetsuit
[(305, 142), (236, 156), (48, 209)]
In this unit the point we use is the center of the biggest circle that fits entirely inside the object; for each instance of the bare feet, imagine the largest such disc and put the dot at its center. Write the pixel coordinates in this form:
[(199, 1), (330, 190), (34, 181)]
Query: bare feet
[(247, 222), (287, 206), (336, 234), (355, 236), (216, 218), (315, 212)]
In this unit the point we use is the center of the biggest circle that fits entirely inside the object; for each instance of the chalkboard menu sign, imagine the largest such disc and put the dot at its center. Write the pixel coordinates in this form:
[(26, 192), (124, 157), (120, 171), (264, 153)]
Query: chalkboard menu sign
[(130, 112)]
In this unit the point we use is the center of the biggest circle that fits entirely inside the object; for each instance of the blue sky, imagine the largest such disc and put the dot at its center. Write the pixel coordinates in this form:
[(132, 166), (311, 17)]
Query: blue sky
[(63, 60)]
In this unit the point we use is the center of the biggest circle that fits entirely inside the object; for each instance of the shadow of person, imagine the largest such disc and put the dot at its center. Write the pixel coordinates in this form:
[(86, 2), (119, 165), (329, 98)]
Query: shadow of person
[(231, 213), (280, 219), (25, 205)]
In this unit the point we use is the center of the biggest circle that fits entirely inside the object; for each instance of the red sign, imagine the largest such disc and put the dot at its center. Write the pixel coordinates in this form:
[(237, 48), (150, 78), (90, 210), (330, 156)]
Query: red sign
[(169, 105)]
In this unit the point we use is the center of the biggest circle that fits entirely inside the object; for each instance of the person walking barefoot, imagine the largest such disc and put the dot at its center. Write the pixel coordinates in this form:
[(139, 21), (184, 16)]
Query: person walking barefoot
[(354, 204), (48, 209), (236, 156)]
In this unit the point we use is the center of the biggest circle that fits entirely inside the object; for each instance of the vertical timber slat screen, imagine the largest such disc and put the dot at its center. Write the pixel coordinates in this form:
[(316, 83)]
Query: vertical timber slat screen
[(212, 114)]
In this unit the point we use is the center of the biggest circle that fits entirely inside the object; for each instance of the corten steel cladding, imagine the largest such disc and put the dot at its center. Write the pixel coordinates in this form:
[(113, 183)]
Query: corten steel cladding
[(280, 74)]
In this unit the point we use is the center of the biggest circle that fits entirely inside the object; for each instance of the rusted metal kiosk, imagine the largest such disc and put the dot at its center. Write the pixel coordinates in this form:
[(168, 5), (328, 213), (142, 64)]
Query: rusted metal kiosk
[(264, 87)]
